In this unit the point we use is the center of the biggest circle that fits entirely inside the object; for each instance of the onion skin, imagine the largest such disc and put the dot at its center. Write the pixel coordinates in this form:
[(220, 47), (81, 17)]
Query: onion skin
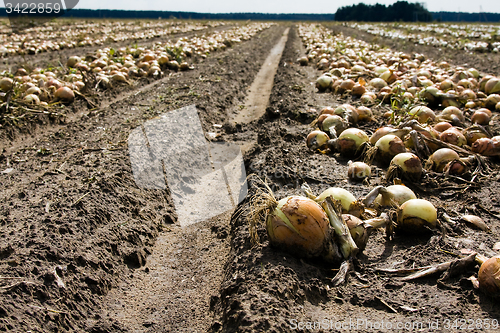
[(476, 222), (489, 276), (298, 225), (415, 215)]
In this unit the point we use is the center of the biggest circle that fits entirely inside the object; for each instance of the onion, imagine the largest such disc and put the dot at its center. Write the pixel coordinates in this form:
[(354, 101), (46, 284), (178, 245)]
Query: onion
[(409, 164), (422, 113), (453, 114), (415, 215), (32, 99), (491, 101), (329, 123), (65, 94), (446, 85), (454, 136), (492, 86), (473, 133), (303, 61), (348, 112), (324, 82), (349, 141), (431, 94), (389, 146), (377, 83), (33, 90), (119, 77), (358, 170), (394, 195), (380, 132), (184, 66), (72, 61), (173, 65), (481, 117), (317, 140), (484, 80), (489, 276), (467, 95), (368, 98), (360, 230), (487, 147), (442, 126), (365, 113), (358, 90), (298, 225), (441, 157), (348, 201), (6, 84), (345, 85)]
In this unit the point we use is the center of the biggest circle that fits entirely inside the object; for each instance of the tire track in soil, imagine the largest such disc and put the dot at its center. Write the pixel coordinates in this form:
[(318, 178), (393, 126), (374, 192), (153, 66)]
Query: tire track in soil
[(175, 289), (260, 90)]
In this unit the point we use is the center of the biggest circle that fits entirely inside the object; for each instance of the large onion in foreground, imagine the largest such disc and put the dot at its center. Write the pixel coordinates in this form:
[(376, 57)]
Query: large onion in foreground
[(298, 225)]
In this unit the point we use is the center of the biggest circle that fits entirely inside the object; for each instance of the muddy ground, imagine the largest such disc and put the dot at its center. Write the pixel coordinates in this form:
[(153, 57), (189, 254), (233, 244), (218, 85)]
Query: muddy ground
[(83, 248)]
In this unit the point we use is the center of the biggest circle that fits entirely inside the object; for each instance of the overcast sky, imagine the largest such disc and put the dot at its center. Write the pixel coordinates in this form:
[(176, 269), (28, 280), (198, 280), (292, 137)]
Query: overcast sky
[(279, 6)]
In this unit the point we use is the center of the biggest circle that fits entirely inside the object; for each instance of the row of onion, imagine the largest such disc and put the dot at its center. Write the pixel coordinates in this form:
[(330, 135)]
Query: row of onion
[(450, 147), (113, 67), (72, 34)]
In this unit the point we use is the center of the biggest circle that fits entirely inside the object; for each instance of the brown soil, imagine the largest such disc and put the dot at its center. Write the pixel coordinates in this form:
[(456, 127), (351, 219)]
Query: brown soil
[(76, 216)]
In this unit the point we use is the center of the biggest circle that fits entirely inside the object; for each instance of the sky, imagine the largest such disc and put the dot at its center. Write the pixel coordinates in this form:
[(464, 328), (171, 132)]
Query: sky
[(279, 6)]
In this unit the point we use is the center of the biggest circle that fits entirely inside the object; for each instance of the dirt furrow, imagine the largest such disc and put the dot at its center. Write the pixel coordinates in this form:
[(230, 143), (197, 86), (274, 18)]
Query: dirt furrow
[(71, 211)]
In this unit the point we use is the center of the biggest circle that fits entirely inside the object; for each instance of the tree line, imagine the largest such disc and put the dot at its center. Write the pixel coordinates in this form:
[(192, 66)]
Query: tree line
[(398, 11)]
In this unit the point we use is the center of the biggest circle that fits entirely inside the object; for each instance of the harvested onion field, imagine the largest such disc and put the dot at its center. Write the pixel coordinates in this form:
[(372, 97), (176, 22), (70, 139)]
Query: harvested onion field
[(85, 248)]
